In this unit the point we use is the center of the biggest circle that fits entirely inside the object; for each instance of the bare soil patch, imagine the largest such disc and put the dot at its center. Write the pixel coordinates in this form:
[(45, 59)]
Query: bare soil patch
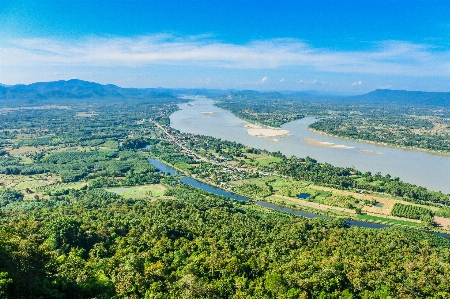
[(315, 142), (442, 222), (388, 203), (26, 150), (315, 205)]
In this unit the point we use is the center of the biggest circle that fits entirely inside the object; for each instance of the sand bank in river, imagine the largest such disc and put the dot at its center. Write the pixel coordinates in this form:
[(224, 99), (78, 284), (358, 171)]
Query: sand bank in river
[(315, 142), (370, 152), (255, 130), (271, 139), (207, 113)]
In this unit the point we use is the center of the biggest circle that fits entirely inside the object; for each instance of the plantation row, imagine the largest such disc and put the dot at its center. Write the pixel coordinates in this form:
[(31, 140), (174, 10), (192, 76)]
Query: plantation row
[(409, 211)]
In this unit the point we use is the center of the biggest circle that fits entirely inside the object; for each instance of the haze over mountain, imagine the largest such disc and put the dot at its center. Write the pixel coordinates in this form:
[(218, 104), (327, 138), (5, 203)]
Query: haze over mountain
[(79, 89), (387, 96)]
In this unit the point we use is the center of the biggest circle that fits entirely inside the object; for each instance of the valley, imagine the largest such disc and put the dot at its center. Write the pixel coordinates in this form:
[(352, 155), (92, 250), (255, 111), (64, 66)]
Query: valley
[(117, 198)]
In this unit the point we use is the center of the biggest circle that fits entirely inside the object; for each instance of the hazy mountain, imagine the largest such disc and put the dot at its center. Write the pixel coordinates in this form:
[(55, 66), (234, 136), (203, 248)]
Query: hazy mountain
[(403, 97), (77, 89)]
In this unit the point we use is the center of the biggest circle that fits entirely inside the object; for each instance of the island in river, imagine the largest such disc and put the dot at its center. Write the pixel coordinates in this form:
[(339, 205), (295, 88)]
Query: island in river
[(256, 130)]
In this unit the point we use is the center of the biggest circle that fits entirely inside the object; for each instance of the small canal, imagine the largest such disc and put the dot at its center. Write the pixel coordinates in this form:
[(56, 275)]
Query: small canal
[(218, 191)]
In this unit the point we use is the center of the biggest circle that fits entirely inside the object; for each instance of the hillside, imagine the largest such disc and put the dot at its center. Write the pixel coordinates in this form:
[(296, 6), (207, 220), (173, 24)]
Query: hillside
[(76, 89), (403, 97)]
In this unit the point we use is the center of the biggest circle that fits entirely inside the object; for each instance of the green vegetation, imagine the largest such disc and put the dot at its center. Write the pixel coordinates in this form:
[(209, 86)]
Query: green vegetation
[(325, 174), (409, 211), (254, 191), (387, 221), (8, 196), (142, 191), (84, 215), (300, 169), (96, 244), (289, 187), (417, 131)]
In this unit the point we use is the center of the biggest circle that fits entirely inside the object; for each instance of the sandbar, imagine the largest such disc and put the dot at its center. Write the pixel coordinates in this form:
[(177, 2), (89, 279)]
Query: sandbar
[(371, 152), (255, 130), (315, 142), (207, 113), (271, 139)]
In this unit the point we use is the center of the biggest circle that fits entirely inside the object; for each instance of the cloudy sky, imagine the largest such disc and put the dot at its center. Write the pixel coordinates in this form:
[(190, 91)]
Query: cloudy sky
[(333, 46)]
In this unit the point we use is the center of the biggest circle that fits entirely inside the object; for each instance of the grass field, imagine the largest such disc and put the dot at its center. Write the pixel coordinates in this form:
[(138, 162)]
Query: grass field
[(21, 182), (265, 161), (257, 160), (144, 191), (386, 220)]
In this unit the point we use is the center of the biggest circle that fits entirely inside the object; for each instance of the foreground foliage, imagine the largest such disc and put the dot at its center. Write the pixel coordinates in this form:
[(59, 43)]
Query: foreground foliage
[(95, 244)]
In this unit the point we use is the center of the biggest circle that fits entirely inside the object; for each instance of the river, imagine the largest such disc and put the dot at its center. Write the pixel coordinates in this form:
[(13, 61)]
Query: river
[(417, 167)]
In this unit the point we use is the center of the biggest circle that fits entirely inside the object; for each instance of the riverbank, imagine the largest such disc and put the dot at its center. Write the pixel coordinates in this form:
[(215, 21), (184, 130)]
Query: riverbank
[(428, 151), (410, 148)]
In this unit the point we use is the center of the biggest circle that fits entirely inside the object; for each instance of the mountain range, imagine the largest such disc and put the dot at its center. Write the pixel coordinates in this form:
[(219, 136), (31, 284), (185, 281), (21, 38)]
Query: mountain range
[(76, 89), (402, 97), (79, 89)]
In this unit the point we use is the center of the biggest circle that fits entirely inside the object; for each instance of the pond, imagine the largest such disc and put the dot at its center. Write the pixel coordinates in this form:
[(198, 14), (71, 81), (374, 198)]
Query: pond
[(163, 167)]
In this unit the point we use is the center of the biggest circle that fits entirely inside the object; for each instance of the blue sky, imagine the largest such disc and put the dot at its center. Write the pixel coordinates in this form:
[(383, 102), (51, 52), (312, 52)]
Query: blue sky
[(333, 46)]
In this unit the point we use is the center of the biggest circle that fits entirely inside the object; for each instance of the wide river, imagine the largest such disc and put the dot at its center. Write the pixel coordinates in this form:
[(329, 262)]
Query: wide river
[(429, 170)]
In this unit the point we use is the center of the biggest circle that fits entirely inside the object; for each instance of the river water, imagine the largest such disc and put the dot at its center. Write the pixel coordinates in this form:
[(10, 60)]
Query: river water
[(193, 182), (429, 170)]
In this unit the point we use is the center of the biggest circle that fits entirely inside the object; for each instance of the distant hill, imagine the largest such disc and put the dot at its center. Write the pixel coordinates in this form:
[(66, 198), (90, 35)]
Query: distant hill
[(403, 97), (77, 89)]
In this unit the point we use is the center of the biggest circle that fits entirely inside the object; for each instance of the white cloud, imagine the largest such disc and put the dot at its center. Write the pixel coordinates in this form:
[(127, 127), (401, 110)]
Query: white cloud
[(314, 82), (281, 80), (387, 58), (264, 79), (356, 83)]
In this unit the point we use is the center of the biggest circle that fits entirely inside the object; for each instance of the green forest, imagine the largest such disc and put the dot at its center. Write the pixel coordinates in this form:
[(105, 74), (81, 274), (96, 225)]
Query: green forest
[(95, 244)]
